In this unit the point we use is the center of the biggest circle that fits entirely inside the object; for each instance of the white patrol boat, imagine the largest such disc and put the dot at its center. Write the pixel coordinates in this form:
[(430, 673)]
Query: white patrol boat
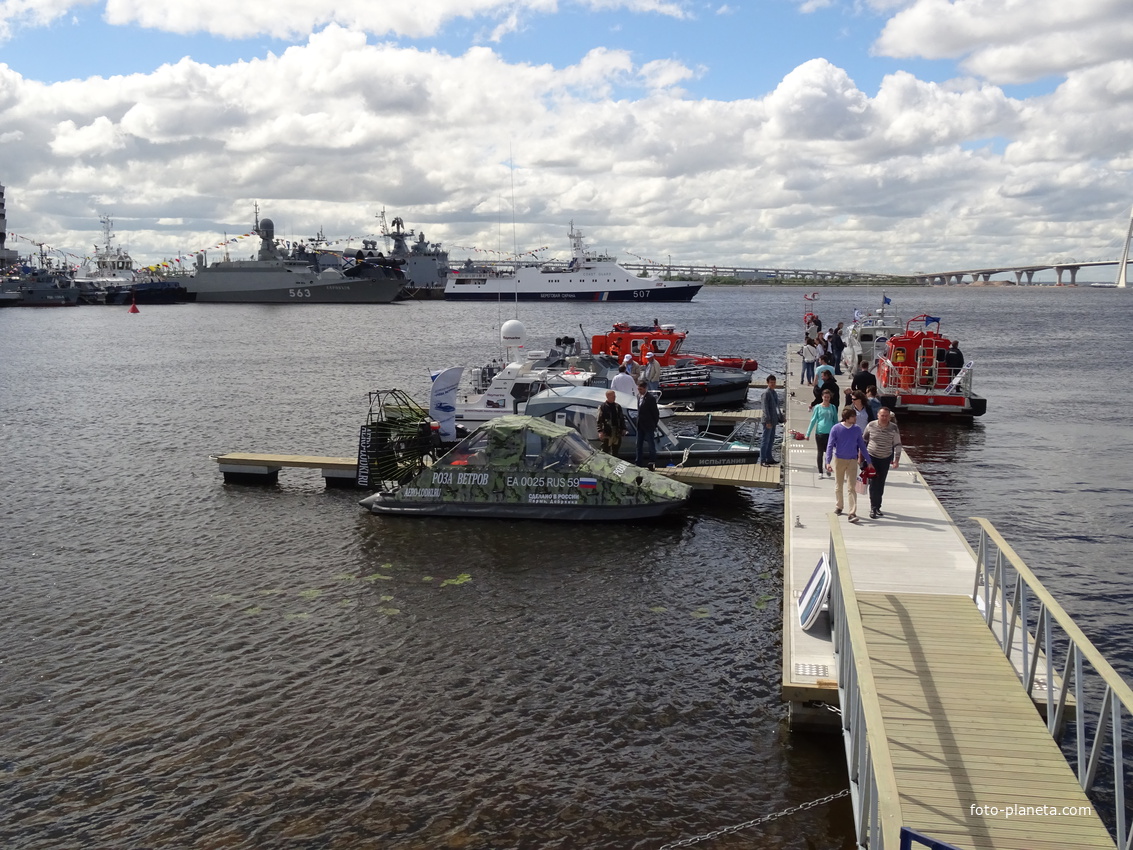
[(586, 277)]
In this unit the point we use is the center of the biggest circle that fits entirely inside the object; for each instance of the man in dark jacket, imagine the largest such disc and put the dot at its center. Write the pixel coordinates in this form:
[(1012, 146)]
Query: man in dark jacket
[(772, 416), (823, 383), (647, 418), (863, 379), (837, 346), (953, 360)]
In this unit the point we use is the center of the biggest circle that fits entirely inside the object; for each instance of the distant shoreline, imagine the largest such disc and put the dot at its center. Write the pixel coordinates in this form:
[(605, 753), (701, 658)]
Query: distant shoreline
[(826, 284)]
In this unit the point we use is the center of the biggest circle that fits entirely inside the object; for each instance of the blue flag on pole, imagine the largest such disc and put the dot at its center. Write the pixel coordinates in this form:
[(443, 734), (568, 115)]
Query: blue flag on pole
[(928, 320), (885, 299)]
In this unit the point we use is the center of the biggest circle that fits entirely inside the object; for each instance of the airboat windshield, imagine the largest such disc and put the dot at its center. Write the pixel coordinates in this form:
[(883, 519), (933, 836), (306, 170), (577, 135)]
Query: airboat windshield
[(531, 447)]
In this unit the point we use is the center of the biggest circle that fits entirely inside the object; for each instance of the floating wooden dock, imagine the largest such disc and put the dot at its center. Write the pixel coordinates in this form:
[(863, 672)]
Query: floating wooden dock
[(941, 735), (263, 469), (249, 468), (725, 474)]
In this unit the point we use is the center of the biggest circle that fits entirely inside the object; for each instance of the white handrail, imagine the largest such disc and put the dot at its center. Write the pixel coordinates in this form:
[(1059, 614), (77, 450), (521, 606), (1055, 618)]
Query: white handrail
[(1008, 604), (873, 786)]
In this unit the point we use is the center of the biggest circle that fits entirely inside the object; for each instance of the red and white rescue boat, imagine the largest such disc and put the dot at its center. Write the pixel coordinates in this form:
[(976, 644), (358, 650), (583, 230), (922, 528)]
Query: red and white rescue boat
[(667, 345), (912, 376)]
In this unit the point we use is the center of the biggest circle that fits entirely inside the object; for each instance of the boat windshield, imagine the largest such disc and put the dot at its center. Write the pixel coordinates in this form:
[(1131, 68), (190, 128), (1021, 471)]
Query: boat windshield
[(471, 451), (522, 447), (663, 346), (563, 452)]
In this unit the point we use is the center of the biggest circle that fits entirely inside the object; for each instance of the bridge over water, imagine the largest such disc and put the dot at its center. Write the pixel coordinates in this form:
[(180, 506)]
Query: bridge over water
[(1020, 272), (756, 274)]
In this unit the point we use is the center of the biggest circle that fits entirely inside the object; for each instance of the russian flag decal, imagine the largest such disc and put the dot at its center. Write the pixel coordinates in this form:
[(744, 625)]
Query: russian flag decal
[(587, 483)]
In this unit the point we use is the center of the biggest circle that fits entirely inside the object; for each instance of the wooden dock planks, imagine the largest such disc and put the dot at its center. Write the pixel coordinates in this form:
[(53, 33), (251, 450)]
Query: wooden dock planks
[(731, 475), (726, 475), (301, 461), (965, 740), (263, 469)]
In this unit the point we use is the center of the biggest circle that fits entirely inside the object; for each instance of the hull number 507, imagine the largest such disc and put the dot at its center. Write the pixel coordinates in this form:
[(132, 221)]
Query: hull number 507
[(299, 293), (641, 293)]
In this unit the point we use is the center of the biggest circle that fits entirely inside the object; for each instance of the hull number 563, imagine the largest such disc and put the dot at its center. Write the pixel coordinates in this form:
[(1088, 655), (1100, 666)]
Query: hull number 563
[(299, 293)]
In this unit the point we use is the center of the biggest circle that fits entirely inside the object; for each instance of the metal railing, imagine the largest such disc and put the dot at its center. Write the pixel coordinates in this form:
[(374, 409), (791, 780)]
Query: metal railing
[(1024, 618), (934, 377), (873, 788)]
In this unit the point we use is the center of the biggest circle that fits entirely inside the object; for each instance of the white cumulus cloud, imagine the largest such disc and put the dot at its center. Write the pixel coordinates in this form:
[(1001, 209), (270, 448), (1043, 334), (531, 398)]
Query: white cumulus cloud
[(1012, 41), (815, 172)]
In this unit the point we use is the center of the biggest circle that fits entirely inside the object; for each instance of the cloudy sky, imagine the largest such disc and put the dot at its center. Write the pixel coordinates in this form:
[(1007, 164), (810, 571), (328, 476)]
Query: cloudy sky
[(880, 135)]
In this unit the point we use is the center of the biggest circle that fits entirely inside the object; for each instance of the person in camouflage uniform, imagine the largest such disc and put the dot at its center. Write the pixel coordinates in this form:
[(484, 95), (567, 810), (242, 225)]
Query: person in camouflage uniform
[(611, 424)]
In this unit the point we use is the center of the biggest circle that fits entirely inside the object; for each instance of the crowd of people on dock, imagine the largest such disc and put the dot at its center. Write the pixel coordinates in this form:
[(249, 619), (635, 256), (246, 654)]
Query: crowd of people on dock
[(865, 443), (856, 436)]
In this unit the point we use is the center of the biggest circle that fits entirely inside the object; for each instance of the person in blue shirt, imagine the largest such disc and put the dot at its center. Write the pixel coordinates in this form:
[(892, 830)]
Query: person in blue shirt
[(843, 451)]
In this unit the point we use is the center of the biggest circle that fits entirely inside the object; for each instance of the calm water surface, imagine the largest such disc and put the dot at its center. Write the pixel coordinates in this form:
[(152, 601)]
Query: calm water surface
[(185, 664)]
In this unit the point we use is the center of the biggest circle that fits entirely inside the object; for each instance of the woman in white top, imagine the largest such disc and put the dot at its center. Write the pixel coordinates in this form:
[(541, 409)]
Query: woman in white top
[(810, 357), (861, 409)]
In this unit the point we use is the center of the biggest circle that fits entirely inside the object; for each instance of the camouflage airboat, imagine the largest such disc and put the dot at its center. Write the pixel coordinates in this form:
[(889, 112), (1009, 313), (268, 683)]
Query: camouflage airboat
[(524, 467)]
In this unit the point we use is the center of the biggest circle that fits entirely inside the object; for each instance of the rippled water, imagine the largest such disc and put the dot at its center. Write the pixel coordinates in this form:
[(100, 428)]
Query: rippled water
[(187, 664)]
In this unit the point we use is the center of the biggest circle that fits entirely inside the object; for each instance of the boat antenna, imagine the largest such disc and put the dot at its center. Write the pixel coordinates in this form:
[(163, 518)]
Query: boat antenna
[(499, 244), (514, 241)]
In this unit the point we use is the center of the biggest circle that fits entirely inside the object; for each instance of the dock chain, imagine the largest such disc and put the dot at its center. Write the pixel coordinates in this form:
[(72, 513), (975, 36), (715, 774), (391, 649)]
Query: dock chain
[(728, 830)]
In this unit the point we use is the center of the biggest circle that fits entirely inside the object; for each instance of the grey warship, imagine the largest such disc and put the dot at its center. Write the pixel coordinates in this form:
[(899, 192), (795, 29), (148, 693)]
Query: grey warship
[(425, 264), (288, 277)]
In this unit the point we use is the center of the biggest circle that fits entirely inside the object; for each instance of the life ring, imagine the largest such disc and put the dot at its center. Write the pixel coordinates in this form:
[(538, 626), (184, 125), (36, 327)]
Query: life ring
[(808, 318)]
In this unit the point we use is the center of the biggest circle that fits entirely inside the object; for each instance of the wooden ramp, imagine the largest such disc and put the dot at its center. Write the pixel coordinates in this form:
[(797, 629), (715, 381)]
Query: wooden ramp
[(725, 475), (973, 762)]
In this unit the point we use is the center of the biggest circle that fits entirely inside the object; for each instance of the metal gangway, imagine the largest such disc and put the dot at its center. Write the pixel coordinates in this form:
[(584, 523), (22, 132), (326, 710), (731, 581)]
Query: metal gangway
[(981, 721)]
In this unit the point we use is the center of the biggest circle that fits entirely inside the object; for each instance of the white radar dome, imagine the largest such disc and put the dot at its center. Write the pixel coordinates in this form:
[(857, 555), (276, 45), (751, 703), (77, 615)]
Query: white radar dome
[(513, 334)]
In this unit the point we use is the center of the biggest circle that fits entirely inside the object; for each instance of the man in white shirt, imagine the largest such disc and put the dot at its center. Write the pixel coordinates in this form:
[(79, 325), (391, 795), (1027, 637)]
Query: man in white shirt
[(623, 382)]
